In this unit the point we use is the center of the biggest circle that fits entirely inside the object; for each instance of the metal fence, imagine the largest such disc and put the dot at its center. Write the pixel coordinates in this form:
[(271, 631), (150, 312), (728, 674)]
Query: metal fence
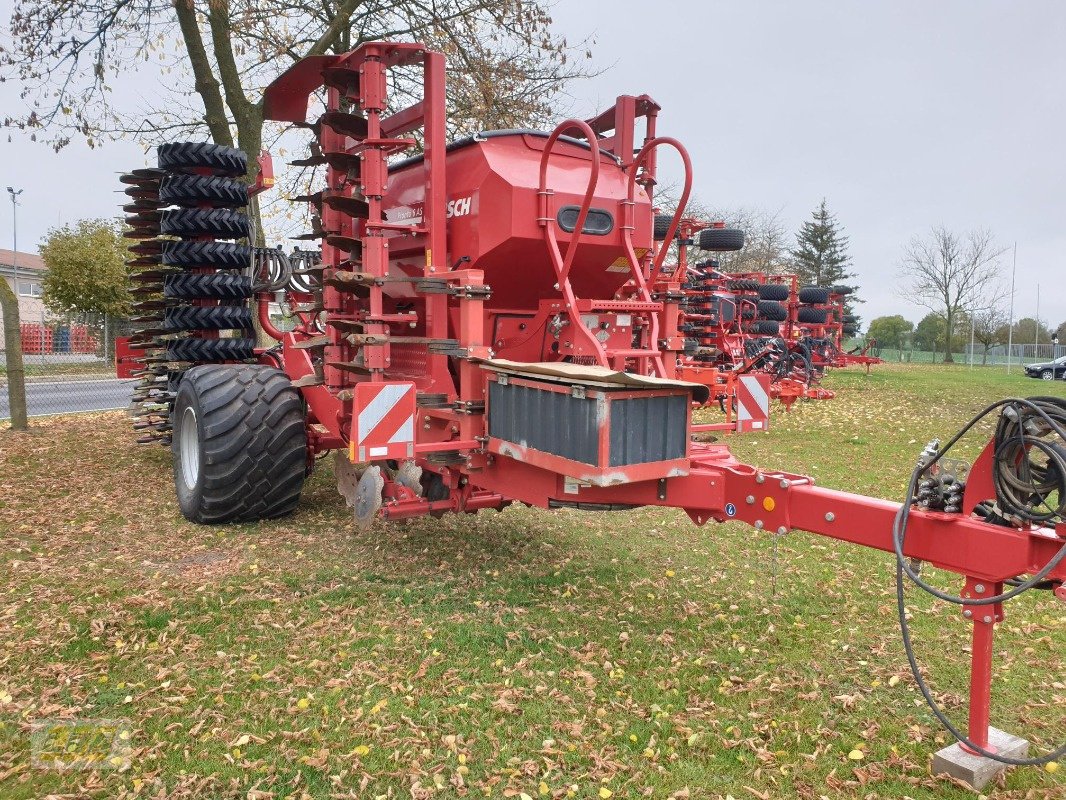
[(994, 357), (70, 365)]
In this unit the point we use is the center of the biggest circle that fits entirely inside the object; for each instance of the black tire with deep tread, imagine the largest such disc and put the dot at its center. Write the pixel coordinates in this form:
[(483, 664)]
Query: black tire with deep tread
[(721, 240), (221, 223), (744, 285), (210, 350), (188, 156), (218, 286), (841, 289), (765, 327), (252, 443), (774, 291), (772, 310), (220, 255), (661, 226), (812, 316), (193, 190), (201, 318), (814, 294)]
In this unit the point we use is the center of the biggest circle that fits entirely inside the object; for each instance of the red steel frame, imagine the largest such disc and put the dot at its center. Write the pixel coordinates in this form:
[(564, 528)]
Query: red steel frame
[(709, 484)]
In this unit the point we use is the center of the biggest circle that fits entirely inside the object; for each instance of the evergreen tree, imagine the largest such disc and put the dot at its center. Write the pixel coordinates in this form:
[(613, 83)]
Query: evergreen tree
[(820, 257)]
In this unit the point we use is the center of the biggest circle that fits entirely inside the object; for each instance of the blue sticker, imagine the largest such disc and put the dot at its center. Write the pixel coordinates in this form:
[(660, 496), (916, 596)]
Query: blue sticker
[(730, 510)]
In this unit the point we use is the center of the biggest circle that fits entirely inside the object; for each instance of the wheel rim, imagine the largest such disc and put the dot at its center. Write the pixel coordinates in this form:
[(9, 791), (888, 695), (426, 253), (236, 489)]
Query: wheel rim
[(189, 448), (1048, 376)]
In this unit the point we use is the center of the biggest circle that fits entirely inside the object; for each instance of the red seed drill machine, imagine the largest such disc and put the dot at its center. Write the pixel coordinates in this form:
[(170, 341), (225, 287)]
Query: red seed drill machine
[(489, 321)]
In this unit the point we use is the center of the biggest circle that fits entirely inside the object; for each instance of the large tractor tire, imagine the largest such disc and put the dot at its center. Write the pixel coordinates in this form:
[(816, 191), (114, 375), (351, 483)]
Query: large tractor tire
[(662, 226), (812, 316), (240, 444), (221, 223), (194, 349), (771, 310), (774, 291), (207, 318), (212, 286), (721, 240), (193, 190), (765, 327), (814, 294), (744, 285), (194, 156), (219, 255)]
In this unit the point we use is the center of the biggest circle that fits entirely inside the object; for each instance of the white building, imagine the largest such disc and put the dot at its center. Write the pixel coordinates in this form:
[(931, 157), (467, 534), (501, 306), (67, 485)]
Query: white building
[(30, 270)]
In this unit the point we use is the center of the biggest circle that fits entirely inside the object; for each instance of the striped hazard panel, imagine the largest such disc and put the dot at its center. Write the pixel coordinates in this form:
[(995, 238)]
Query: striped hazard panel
[(753, 402), (384, 424)]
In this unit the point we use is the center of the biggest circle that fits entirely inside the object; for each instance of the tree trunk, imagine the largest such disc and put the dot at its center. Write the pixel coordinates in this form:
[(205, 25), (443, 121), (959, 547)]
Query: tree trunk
[(16, 373), (947, 339)]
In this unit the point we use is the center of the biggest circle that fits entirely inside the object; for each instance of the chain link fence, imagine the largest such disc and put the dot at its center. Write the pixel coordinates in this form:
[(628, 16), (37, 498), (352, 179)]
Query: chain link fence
[(70, 365), (997, 356)]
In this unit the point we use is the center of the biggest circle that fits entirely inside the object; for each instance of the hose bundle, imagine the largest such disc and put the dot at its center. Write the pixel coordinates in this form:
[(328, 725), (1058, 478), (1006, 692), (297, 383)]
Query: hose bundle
[(1029, 467), (1029, 472)]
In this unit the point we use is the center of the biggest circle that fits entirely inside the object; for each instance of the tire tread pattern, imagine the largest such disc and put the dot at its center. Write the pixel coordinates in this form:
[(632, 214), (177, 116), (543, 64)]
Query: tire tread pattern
[(192, 190), (203, 318), (221, 223), (220, 255), (772, 310), (210, 350), (814, 294), (254, 442), (217, 286), (812, 316), (219, 159)]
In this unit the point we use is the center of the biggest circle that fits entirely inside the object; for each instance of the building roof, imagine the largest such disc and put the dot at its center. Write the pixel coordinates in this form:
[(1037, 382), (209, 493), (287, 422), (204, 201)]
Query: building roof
[(27, 261)]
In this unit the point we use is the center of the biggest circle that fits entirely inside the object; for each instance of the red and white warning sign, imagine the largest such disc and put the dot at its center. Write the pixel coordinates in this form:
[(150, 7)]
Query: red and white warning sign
[(384, 424), (753, 402)]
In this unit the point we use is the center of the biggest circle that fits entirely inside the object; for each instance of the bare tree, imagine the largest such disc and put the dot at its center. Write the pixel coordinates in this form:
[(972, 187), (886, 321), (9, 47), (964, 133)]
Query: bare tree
[(766, 240), (990, 328), (507, 67), (951, 274)]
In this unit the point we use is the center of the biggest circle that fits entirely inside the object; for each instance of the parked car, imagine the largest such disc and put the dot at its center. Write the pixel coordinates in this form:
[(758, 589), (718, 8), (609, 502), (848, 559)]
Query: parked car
[(1048, 370)]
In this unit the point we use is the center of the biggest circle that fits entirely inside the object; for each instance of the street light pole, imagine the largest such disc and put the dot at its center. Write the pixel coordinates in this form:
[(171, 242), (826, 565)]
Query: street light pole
[(15, 236), (1010, 325)]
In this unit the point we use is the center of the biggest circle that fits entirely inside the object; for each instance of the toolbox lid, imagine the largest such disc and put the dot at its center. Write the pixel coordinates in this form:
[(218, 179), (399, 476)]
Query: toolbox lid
[(583, 373)]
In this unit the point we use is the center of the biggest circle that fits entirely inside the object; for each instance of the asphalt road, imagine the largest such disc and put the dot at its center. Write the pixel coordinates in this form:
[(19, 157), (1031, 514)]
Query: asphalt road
[(64, 397)]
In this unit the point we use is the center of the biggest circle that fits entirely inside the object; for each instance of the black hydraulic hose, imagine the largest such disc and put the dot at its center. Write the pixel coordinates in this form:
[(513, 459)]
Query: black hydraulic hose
[(899, 531)]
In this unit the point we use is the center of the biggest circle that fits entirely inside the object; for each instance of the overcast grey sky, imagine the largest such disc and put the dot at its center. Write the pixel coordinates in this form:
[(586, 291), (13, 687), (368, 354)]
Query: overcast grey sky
[(903, 115)]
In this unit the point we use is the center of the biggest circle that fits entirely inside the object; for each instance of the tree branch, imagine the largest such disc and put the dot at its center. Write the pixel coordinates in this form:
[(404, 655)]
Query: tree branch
[(206, 84)]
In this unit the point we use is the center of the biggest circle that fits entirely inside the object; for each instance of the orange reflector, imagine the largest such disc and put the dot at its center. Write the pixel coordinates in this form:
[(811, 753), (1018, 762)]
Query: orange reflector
[(768, 503)]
